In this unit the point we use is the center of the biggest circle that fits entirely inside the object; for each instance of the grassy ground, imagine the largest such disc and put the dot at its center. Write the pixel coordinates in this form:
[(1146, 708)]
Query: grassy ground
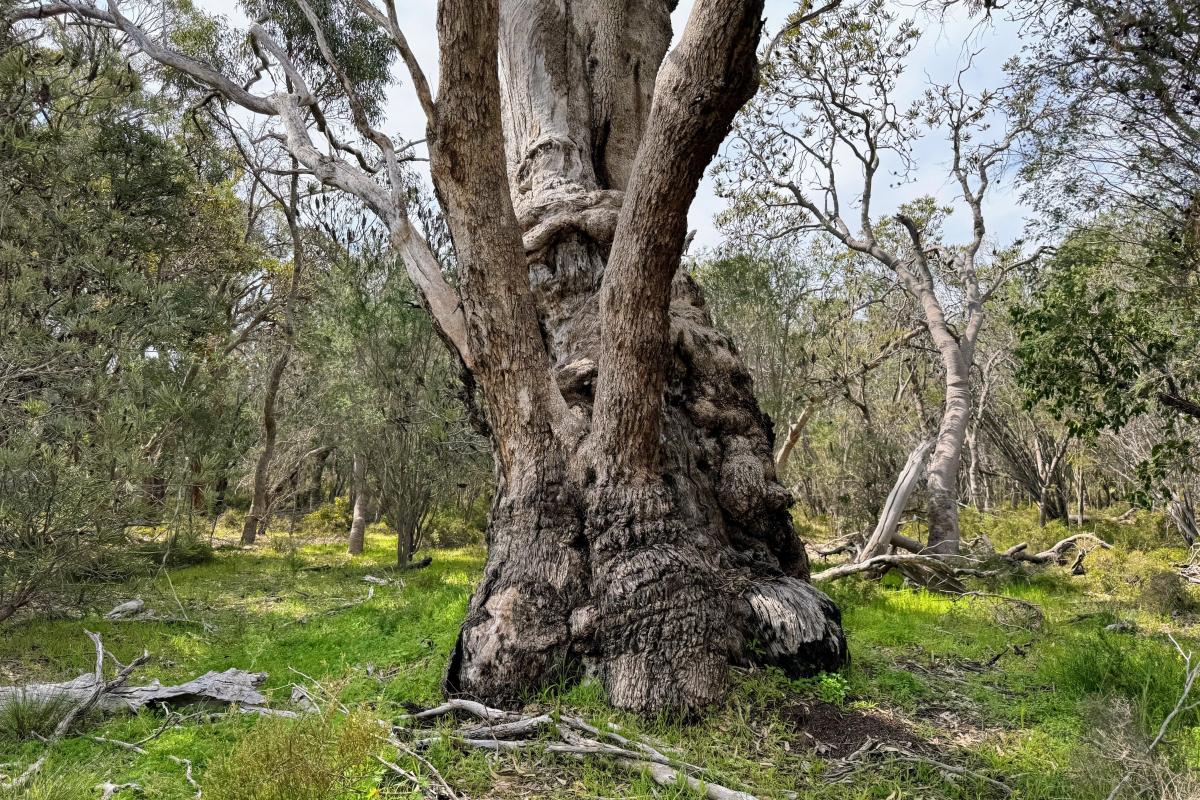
[(1036, 694)]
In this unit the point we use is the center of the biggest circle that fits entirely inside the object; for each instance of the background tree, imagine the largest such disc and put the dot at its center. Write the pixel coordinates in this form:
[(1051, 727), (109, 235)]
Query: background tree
[(123, 267), (831, 94)]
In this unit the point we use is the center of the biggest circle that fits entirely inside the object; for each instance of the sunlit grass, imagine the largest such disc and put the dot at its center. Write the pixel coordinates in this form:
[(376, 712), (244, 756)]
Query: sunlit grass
[(1017, 693)]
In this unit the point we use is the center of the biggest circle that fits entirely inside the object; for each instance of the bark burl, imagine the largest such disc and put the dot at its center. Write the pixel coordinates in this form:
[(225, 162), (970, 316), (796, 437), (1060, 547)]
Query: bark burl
[(638, 532)]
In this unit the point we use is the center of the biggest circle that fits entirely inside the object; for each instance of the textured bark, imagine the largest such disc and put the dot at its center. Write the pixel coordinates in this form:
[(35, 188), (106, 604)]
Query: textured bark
[(638, 532), (231, 686)]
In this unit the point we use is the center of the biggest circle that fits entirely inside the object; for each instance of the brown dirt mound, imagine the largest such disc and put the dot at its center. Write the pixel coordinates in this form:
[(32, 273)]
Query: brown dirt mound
[(833, 732)]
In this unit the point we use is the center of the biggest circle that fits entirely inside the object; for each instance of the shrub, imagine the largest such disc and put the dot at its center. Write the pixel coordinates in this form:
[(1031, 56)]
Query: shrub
[(830, 687), (181, 547), (318, 757), (231, 521), (1116, 753), (449, 530), (332, 517), (1164, 592)]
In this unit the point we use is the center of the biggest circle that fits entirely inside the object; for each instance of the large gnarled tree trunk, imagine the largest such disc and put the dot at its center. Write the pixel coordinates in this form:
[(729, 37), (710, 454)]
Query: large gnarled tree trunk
[(638, 531)]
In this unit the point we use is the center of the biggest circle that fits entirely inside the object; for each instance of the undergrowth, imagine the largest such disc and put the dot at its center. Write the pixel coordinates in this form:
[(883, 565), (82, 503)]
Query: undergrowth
[(1043, 700)]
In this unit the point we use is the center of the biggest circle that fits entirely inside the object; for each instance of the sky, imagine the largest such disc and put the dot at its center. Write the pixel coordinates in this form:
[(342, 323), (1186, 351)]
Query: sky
[(942, 49)]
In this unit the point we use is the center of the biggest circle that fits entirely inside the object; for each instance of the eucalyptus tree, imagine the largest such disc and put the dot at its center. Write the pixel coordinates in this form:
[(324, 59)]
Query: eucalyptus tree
[(123, 272), (638, 528), (1115, 112), (831, 95), (1108, 337)]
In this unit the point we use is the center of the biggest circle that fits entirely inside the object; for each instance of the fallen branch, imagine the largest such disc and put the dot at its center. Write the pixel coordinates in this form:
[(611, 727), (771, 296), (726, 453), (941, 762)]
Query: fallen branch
[(340, 608), (506, 731), (857, 761), (942, 572), (187, 775), (136, 611), (84, 703), (1056, 554), (110, 790), (935, 571), (1191, 672)]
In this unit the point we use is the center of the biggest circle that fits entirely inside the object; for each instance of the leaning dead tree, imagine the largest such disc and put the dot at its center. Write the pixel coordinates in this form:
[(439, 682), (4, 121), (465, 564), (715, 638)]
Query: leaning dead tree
[(638, 530), (826, 106)]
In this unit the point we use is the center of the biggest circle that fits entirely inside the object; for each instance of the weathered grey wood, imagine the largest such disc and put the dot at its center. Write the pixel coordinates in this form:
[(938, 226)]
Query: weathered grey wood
[(897, 499), (230, 686)]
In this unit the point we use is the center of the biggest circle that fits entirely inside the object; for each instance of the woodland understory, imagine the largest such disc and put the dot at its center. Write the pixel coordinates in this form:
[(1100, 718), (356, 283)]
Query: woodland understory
[(1037, 684), (373, 425)]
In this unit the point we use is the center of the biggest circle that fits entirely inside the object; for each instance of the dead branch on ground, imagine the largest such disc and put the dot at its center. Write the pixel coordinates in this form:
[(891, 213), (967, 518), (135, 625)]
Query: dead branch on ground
[(507, 731)]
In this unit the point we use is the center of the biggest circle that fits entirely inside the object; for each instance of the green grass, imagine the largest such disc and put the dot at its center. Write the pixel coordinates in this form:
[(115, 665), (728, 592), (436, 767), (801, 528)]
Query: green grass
[(979, 681)]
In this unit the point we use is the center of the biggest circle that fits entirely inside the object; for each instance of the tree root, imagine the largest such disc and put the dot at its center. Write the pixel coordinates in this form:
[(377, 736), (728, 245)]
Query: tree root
[(503, 730)]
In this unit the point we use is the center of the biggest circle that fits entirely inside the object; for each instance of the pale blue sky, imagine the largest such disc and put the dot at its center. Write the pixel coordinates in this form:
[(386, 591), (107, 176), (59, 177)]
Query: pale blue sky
[(937, 57)]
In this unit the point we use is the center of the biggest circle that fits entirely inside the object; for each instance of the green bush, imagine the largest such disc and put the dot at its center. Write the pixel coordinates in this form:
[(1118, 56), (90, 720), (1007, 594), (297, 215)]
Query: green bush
[(318, 757), (830, 687), (449, 530), (1164, 592), (231, 521), (182, 547), (332, 517)]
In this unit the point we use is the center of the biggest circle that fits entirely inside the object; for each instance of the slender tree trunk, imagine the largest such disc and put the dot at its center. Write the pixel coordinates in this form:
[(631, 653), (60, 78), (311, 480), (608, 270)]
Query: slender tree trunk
[(358, 525), (256, 518), (793, 436), (197, 487), (1082, 489), (942, 482)]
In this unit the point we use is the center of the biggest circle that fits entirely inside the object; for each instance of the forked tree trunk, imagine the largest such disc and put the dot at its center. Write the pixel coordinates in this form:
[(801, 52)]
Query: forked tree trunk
[(638, 532)]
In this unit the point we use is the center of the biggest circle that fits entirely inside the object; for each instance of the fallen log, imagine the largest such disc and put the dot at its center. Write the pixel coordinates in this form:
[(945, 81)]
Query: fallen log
[(1056, 554), (935, 571), (230, 686), (897, 499)]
